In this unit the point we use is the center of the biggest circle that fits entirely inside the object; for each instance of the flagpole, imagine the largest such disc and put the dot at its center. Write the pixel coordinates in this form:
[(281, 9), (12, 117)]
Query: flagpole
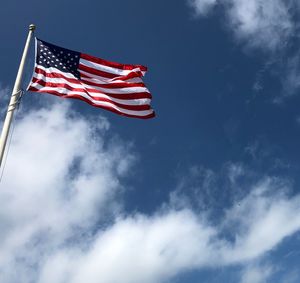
[(15, 96)]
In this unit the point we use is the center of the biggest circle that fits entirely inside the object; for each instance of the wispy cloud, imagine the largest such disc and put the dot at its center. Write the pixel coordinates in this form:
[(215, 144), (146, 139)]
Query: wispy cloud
[(202, 7), (3, 91), (271, 26), (260, 218), (256, 274), (4, 99), (266, 24), (291, 79)]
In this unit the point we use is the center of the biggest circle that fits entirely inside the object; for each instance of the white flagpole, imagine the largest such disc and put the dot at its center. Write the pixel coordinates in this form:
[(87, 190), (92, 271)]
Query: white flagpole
[(15, 96)]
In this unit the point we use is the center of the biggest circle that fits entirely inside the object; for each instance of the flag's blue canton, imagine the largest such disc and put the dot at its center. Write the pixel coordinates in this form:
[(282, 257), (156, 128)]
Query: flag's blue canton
[(65, 60)]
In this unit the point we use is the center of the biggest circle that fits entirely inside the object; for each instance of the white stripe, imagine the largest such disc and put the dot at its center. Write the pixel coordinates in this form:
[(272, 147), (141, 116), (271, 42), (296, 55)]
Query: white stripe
[(124, 90), (98, 103), (133, 80), (108, 69), (55, 70)]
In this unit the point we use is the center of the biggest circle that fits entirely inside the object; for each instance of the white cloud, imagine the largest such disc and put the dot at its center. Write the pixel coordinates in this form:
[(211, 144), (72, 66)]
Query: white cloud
[(235, 171), (4, 99), (263, 23), (156, 248), (61, 218), (266, 24), (256, 274), (202, 7), (3, 91), (59, 177), (263, 219), (291, 79), (140, 249)]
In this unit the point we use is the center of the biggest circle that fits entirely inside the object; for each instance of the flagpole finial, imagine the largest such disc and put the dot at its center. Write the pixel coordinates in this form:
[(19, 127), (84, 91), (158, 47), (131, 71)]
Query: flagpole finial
[(32, 27)]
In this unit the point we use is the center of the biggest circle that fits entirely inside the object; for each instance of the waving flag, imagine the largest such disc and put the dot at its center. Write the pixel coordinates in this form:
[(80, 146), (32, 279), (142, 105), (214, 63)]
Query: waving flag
[(69, 74)]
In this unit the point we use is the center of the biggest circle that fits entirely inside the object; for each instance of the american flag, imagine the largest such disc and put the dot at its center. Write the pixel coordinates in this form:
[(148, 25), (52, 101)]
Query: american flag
[(70, 74)]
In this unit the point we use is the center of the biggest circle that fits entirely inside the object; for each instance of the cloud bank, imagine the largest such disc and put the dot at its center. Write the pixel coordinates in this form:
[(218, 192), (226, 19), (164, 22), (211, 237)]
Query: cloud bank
[(61, 215)]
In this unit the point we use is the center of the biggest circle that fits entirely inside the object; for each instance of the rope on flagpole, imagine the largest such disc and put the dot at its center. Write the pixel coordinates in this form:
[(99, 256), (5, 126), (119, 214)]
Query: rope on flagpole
[(16, 105)]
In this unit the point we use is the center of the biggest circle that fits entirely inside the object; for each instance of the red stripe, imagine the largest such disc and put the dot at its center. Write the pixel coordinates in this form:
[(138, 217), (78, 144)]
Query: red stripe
[(88, 92), (124, 78), (131, 75), (125, 96), (111, 64), (93, 104), (97, 72)]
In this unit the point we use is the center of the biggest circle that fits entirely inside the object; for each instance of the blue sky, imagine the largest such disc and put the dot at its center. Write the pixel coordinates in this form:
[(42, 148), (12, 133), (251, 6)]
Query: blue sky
[(208, 191)]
